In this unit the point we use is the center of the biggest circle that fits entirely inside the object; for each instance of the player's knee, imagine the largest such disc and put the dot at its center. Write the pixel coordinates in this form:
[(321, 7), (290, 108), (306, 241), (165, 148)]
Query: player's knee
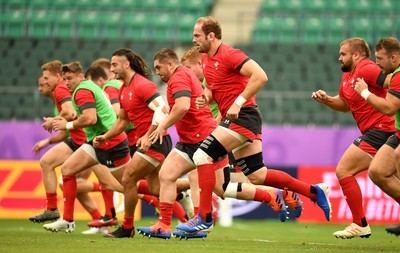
[(250, 164)]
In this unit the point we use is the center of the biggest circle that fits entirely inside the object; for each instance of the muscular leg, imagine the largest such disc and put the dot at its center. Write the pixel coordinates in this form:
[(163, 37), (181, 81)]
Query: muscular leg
[(353, 161), (53, 158), (383, 172)]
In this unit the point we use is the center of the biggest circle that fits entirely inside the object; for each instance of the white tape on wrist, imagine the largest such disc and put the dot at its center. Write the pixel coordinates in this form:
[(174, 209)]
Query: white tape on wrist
[(240, 100), (70, 125), (365, 93)]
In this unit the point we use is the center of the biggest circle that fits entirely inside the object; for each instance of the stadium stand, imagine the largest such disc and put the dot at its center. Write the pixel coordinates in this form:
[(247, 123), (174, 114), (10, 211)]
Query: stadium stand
[(295, 41)]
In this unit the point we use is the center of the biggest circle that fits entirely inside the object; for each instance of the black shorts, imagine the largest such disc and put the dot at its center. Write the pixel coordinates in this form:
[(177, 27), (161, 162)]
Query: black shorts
[(188, 149), (133, 149), (160, 151), (372, 140), (393, 141), (113, 157), (249, 120), (71, 144)]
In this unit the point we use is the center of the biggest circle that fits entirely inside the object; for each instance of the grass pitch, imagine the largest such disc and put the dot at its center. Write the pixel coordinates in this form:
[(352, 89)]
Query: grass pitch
[(244, 236)]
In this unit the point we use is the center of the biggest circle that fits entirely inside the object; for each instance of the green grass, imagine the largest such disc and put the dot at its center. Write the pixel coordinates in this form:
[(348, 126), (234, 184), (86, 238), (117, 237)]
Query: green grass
[(244, 236)]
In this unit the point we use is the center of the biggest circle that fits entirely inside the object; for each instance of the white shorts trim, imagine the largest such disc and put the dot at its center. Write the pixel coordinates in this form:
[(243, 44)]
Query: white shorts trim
[(238, 136), (244, 144), (150, 159), (89, 149), (184, 156)]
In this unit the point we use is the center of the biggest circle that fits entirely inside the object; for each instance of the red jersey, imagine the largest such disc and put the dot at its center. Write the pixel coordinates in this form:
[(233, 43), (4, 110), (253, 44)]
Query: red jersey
[(62, 95), (113, 94), (364, 114), (222, 72), (197, 124), (134, 99)]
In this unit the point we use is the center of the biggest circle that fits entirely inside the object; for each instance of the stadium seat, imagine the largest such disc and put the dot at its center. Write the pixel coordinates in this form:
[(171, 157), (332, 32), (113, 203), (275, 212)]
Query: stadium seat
[(270, 5), (337, 29), (127, 5), (317, 6), (111, 28), (383, 26), (60, 5), (64, 24), (361, 26), (40, 24), (88, 25), (265, 29), (15, 23), (362, 6), (338, 6), (134, 27), (40, 4), (312, 29), (288, 29), (16, 4), (386, 6)]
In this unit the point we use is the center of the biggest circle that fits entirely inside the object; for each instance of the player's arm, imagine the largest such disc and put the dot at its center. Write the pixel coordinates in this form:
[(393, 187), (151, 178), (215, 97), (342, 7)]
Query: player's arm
[(387, 106), (60, 136), (257, 78), (387, 81), (67, 111), (119, 126), (180, 108), (336, 103)]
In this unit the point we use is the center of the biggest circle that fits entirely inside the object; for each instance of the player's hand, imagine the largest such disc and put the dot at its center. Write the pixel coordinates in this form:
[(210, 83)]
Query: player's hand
[(40, 145), (319, 96), (48, 124), (233, 112), (143, 143), (98, 140), (157, 135), (360, 85), (201, 101), (59, 124)]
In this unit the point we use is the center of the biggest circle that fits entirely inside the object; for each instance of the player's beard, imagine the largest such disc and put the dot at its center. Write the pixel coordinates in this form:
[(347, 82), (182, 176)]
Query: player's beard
[(205, 47), (347, 66)]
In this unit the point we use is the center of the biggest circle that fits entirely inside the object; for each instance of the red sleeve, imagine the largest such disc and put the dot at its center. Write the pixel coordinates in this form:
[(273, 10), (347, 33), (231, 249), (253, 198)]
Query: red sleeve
[(146, 91), (83, 96), (236, 58), (180, 82), (113, 94), (370, 74), (62, 94), (395, 83)]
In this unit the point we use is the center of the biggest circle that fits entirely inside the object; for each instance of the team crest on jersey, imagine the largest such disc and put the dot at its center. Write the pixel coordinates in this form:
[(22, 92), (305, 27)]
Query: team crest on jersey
[(216, 65), (122, 97), (130, 95)]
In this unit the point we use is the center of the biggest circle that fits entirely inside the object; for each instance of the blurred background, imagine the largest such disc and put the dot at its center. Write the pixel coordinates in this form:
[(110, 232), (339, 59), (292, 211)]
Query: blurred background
[(295, 41)]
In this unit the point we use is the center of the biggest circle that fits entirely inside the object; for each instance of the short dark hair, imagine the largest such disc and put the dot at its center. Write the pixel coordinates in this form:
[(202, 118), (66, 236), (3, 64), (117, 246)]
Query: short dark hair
[(358, 45), (390, 44), (95, 72), (209, 25), (166, 54), (73, 67)]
